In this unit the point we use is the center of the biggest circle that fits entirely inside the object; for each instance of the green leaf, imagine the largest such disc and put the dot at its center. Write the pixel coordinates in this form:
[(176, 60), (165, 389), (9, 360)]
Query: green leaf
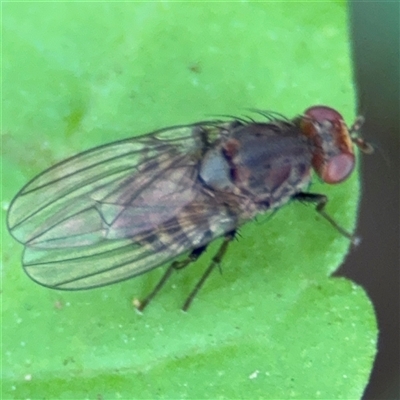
[(274, 324)]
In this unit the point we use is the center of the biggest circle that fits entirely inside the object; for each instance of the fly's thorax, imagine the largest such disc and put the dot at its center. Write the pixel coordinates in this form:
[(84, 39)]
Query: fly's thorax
[(333, 156), (263, 164)]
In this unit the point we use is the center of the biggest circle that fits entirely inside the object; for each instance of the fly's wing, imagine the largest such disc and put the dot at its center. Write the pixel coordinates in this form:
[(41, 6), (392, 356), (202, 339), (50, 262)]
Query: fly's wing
[(115, 211)]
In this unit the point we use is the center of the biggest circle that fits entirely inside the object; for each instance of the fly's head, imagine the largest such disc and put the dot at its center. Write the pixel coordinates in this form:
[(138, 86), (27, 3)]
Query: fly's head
[(332, 141)]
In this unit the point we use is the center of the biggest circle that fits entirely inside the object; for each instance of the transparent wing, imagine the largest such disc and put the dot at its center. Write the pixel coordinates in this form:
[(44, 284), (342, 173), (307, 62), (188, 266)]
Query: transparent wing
[(115, 211)]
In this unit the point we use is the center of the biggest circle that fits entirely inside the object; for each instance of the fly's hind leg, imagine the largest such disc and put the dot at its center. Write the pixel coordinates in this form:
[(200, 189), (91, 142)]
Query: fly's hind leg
[(193, 256), (214, 263), (320, 202)]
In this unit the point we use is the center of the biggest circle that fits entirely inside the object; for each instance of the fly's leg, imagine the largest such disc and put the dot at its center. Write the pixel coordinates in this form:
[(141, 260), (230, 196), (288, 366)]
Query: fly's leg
[(193, 256), (320, 202), (214, 263)]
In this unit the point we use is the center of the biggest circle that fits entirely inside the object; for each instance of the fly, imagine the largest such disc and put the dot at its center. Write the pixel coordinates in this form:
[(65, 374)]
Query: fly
[(122, 209)]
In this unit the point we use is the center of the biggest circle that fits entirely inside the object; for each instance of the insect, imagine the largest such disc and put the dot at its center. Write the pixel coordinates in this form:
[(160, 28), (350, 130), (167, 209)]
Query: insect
[(122, 209)]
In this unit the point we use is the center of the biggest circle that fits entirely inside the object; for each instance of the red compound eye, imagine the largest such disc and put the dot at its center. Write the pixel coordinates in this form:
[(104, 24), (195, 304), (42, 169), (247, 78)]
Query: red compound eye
[(333, 157), (323, 113), (338, 168)]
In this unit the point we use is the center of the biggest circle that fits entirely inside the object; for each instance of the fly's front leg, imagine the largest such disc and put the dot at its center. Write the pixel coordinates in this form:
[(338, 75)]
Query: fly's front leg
[(214, 263), (320, 202), (193, 256)]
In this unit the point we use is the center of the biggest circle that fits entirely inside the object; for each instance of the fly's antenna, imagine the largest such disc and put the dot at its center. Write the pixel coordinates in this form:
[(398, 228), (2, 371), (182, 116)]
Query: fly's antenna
[(362, 144)]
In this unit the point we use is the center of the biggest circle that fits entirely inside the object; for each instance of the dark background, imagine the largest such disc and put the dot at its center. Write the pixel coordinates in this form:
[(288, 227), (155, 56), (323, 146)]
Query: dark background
[(375, 263)]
